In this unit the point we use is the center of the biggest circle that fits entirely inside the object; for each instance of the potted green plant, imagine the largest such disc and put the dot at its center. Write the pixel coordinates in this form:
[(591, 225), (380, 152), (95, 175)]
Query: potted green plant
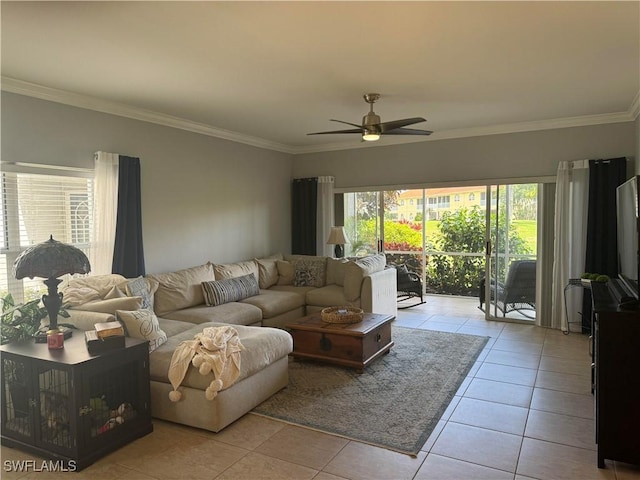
[(20, 322), (23, 321)]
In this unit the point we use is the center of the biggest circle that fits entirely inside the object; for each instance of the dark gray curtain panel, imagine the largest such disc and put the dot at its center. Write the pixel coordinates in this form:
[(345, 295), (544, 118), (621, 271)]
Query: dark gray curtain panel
[(128, 253), (601, 254), (304, 214)]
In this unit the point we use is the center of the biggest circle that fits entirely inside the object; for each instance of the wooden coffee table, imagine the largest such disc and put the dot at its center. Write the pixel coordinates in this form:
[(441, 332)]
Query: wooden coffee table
[(353, 345)]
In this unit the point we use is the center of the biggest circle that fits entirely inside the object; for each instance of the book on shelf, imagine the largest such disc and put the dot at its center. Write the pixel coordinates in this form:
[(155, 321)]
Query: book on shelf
[(109, 329)]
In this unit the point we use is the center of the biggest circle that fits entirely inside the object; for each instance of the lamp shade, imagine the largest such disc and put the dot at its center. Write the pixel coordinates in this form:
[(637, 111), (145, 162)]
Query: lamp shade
[(337, 236), (50, 259)]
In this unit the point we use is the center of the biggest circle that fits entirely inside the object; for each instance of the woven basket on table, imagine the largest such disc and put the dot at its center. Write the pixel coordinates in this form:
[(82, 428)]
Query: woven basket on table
[(342, 315)]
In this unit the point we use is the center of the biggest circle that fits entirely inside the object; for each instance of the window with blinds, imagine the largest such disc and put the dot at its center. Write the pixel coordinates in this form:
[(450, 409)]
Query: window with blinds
[(35, 206)]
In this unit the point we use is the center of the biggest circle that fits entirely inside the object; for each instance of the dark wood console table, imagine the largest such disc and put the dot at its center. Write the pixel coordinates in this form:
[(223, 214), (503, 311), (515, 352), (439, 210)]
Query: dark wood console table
[(617, 375)]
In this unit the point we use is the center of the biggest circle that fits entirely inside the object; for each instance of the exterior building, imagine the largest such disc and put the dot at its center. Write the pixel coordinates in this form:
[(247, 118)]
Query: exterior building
[(438, 201)]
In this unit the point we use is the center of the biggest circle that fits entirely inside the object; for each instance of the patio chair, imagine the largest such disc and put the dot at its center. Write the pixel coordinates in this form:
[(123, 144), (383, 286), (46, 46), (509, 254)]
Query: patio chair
[(518, 292), (409, 285)]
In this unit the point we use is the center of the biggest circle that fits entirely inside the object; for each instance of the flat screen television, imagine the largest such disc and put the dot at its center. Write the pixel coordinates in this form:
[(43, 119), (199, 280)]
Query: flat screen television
[(627, 205)]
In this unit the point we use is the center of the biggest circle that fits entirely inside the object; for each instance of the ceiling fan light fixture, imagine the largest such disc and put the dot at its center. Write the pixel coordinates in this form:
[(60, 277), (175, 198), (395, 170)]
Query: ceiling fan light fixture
[(372, 128), (370, 135)]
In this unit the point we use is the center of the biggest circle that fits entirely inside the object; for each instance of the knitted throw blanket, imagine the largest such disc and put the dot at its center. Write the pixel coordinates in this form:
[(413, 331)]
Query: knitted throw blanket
[(216, 350)]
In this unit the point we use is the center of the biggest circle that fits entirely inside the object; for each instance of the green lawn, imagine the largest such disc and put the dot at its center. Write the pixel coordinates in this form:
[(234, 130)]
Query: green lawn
[(528, 231)]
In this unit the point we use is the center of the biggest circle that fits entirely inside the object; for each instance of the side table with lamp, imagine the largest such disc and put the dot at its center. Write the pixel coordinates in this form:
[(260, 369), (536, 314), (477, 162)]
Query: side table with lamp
[(63, 403), (51, 259)]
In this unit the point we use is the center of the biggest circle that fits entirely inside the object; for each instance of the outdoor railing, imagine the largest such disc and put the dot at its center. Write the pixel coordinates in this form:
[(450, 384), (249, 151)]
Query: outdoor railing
[(450, 273)]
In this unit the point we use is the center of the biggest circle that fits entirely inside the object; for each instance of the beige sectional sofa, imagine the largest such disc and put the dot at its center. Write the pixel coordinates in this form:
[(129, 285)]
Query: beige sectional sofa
[(282, 288)]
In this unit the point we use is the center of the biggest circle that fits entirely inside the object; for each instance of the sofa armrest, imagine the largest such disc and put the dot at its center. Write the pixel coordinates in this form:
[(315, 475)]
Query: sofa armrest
[(379, 292)]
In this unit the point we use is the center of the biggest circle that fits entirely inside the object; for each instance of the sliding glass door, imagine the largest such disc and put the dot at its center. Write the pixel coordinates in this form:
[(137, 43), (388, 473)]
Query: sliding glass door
[(462, 241), (511, 247), (362, 223)]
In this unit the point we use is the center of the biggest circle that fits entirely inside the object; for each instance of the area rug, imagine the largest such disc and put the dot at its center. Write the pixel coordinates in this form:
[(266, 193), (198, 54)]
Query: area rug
[(397, 401)]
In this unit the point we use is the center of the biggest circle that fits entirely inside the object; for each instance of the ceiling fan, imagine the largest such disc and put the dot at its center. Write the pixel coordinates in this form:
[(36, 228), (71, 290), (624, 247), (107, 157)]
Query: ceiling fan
[(371, 128)]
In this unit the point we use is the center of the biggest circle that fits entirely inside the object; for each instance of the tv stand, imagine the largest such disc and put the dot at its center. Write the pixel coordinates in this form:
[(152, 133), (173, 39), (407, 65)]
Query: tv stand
[(616, 357)]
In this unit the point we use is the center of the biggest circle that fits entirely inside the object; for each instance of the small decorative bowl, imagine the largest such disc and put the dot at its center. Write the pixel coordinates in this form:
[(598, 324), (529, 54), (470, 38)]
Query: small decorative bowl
[(342, 315)]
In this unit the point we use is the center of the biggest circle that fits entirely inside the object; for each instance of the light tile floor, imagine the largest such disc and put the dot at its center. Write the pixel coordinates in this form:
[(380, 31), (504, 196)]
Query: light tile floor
[(525, 411)]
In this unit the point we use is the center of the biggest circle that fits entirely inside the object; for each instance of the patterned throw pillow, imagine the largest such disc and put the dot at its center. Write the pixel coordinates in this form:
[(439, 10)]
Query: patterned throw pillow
[(143, 287), (228, 290), (142, 324), (310, 273)]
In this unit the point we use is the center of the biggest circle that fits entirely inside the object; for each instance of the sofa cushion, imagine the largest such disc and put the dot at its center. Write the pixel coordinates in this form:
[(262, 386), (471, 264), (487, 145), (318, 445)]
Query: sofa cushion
[(286, 272), (263, 346), (81, 290), (111, 305), (217, 292), (357, 270), (273, 303), (142, 324), (336, 270), (118, 291), (83, 319), (329, 296), (173, 327), (310, 272), (234, 270), (267, 272), (142, 287), (302, 291), (234, 313), (181, 289)]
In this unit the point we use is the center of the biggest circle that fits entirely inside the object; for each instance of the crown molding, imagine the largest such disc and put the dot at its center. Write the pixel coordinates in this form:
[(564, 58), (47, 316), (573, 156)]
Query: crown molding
[(93, 103)]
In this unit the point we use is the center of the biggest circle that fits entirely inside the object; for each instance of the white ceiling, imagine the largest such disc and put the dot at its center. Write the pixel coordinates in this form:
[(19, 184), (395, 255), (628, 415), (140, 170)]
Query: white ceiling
[(267, 73)]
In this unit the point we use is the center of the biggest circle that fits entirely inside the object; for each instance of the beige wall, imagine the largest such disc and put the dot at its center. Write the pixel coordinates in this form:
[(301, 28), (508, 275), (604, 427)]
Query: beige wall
[(203, 198), (530, 154), (209, 199)]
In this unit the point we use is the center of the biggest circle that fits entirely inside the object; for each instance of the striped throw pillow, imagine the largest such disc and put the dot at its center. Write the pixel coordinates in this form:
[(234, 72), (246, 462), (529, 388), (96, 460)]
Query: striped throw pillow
[(228, 290)]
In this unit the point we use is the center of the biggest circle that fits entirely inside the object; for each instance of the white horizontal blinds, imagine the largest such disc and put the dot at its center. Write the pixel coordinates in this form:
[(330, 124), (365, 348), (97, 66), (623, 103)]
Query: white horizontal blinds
[(36, 206)]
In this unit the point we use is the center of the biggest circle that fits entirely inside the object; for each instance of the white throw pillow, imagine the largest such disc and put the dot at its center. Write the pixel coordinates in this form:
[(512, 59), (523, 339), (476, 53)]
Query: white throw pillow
[(142, 324)]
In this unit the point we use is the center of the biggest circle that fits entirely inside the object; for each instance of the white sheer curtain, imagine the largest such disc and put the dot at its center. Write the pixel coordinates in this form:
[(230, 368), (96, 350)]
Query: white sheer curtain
[(572, 194), (105, 212), (325, 219), (545, 256)]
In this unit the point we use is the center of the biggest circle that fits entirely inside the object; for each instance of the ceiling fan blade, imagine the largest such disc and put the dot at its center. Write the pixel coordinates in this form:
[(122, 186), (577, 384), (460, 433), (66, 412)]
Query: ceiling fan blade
[(347, 123), (354, 130), (392, 125), (408, 131)]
